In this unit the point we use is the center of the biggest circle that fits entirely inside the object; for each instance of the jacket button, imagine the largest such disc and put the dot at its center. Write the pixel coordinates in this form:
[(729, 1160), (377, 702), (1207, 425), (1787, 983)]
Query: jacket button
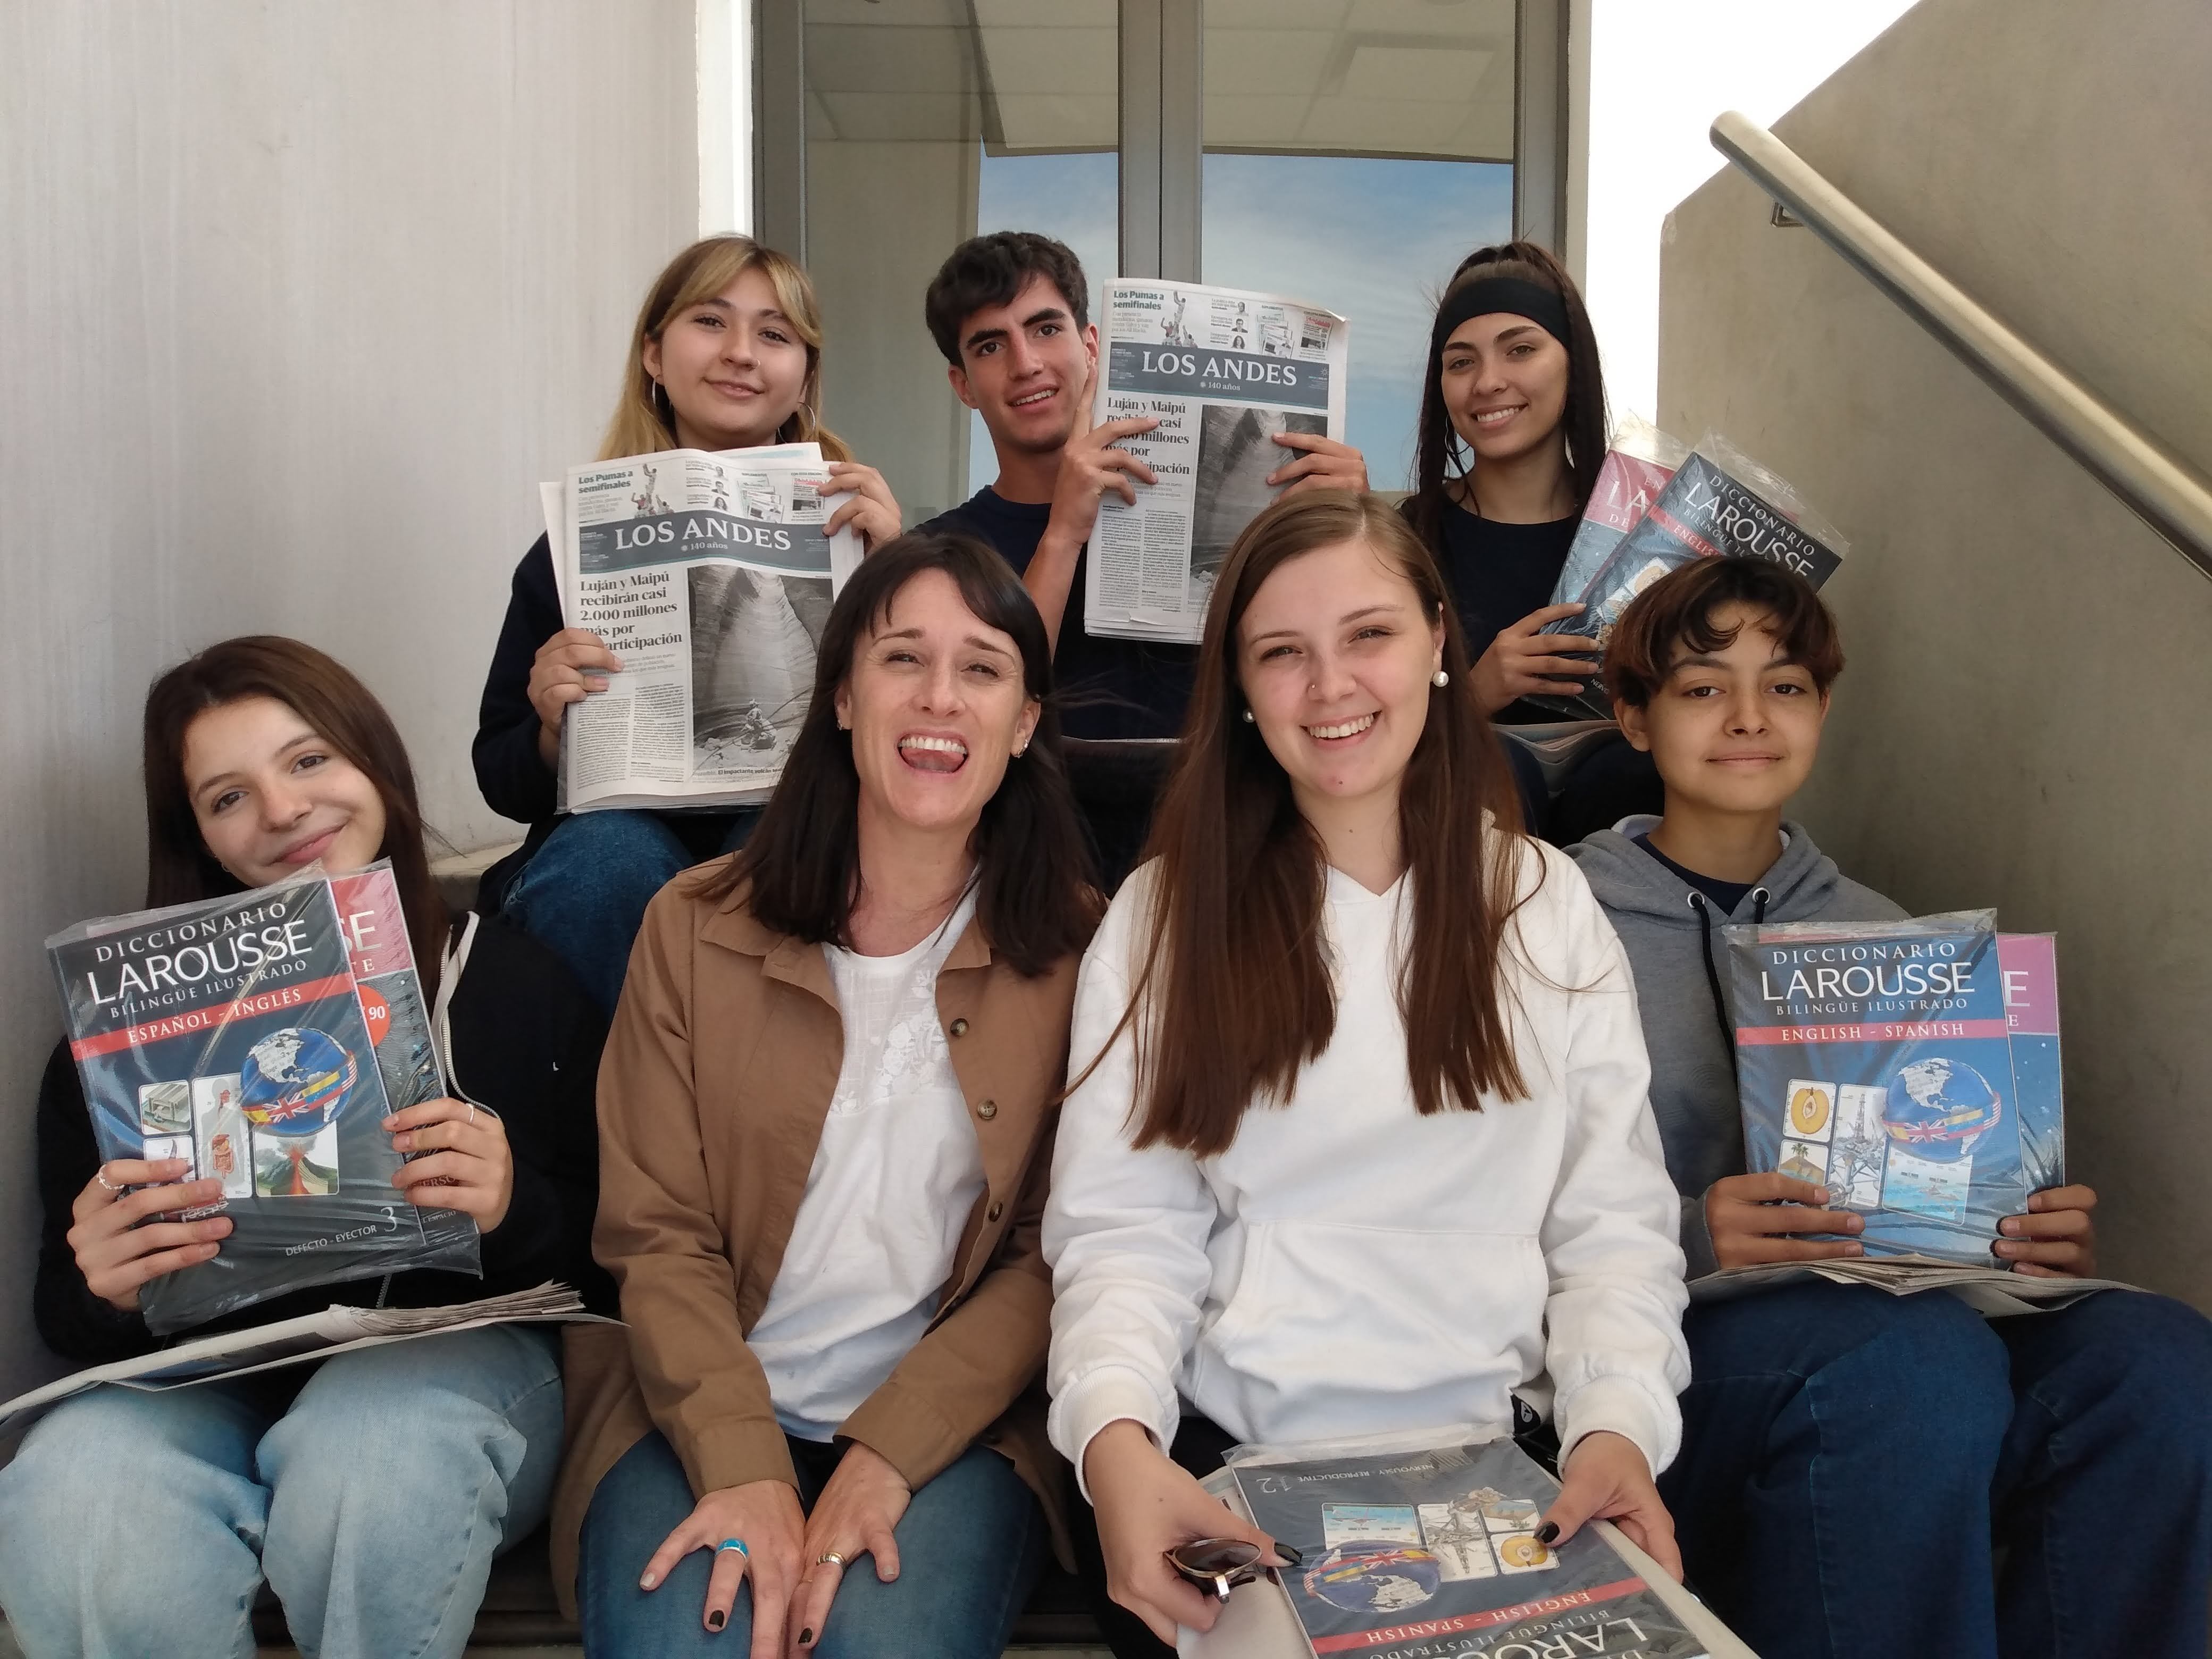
[(996, 1210), (958, 1027), (989, 1109)]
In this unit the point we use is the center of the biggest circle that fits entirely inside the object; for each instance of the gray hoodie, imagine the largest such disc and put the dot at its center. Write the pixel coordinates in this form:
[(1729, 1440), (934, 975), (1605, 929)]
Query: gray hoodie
[(1676, 952)]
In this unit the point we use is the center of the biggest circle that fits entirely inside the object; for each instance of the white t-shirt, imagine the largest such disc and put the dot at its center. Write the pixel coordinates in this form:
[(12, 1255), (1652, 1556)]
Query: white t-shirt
[(896, 1175)]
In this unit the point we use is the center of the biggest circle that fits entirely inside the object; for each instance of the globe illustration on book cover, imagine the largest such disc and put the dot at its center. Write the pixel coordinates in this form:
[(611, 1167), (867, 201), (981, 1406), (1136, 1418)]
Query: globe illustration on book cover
[(296, 1081), (1939, 1109), (1373, 1576)]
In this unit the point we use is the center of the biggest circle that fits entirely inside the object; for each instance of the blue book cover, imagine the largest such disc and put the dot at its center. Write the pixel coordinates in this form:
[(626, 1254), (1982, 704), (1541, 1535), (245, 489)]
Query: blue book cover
[(261, 1038), (1877, 1060)]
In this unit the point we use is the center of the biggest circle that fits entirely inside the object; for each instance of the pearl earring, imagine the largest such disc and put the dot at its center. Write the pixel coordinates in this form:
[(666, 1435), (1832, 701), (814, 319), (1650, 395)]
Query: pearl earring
[(1249, 719), (1440, 679)]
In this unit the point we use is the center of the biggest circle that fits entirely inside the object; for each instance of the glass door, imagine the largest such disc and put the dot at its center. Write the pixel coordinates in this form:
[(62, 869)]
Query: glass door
[(1355, 151), (1349, 151)]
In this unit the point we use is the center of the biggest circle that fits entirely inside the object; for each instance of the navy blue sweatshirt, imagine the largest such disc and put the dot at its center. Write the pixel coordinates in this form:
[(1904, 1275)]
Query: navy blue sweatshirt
[(1108, 688), (516, 781)]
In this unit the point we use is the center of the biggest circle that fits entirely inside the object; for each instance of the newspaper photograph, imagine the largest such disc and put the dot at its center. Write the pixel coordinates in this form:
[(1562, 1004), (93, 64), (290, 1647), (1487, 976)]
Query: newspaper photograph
[(710, 577), (1223, 371)]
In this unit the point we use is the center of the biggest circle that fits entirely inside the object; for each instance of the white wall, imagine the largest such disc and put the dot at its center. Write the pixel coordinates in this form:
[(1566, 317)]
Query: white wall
[(300, 302), (1659, 71)]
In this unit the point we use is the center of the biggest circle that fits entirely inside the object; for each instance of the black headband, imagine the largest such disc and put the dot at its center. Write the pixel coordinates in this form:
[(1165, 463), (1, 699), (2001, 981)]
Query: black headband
[(1486, 294)]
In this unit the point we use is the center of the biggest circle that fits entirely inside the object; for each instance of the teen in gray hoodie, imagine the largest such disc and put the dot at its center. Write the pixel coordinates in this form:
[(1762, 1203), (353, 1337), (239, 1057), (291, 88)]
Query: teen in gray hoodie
[(1849, 1456), (1671, 929)]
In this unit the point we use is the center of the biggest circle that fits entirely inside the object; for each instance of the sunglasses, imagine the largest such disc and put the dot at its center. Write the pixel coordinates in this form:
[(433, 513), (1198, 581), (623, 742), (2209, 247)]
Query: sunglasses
[(1218, 1566)]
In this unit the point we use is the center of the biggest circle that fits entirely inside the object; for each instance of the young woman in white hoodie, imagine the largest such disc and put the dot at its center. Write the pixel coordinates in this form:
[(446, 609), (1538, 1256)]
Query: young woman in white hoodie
[(1360, 1142)]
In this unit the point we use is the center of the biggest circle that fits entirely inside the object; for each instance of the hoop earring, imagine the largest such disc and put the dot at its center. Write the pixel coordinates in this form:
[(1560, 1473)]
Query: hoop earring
[(663, 409)]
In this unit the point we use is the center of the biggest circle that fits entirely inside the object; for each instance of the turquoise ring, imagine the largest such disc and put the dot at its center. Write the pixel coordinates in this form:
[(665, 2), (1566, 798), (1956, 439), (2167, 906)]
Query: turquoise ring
[(737, 1544)]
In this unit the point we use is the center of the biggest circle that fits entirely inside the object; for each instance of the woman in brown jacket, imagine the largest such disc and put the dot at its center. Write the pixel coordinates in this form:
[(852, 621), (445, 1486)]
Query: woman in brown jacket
[(826, 1114)]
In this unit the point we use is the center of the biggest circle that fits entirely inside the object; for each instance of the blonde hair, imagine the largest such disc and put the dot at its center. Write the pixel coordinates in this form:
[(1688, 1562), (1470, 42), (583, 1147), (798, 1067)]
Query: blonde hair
[(703, 270)]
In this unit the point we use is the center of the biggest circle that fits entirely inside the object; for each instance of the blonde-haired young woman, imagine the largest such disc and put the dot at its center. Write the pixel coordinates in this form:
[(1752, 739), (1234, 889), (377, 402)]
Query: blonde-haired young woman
[(726, 355)]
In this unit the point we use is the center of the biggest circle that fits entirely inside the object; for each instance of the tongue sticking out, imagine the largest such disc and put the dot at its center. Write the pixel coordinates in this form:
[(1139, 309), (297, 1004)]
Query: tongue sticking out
[(930, 760)]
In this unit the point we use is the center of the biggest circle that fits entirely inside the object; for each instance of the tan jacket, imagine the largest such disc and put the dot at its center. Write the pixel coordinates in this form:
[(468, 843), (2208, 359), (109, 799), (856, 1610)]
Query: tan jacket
[(713, 1093)]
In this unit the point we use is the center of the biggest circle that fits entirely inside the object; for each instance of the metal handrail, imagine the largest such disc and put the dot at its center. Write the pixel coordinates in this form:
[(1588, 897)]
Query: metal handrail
[(2165, 492)]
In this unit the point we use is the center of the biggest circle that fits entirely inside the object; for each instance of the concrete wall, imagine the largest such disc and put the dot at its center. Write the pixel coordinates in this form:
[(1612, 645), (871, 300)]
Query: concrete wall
[(301, 301), (2024, 720)]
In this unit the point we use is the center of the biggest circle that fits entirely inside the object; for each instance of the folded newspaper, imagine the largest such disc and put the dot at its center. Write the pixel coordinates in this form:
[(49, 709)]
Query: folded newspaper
[(1994, 1292), (1223, 371), (710, 576), (292, 1341)]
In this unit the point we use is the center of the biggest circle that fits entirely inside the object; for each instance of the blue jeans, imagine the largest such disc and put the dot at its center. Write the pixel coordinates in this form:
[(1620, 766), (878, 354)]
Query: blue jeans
[(584, 892), (137, 1523), (1849, 1458), (970, 1546)]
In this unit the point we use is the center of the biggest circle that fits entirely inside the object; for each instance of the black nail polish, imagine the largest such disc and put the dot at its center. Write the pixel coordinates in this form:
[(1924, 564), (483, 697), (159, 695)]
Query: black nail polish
[(1548, 1533), (1292, 1553), (716, 1619), (806, 1636)]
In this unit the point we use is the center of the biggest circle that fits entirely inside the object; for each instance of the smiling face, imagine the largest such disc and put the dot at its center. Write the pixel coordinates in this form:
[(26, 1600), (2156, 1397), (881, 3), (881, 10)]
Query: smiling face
[(1504, 385), (734, 367), (272, 796), (1025, 367), (1737, 729), (936, 704), (1334, 655)]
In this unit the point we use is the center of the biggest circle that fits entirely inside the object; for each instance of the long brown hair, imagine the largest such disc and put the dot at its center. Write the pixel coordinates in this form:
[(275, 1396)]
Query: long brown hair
[(800, 870), (1236, 993), (1438, 459), (643, 422), (341, 711)]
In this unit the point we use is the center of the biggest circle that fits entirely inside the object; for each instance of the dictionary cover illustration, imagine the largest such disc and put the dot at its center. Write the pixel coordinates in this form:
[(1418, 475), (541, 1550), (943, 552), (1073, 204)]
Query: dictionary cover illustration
[(262, 1037), (2030, 964), (1421, 1554), (1877, 1060)]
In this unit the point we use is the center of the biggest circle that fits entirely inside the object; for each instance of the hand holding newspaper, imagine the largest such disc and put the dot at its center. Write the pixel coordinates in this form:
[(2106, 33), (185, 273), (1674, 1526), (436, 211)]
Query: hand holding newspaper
[(710, 577), (1222, 371)]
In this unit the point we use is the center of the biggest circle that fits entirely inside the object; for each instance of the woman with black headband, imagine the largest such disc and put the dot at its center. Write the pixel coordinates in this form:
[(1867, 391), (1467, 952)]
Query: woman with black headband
[(1512, 434)]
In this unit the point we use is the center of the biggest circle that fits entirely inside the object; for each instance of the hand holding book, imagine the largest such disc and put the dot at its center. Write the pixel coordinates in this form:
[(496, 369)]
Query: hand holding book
[(2057, 1238), (120, 1243), (1606, 1478), (1756, 1219), (1525, 661), (458, 1159)]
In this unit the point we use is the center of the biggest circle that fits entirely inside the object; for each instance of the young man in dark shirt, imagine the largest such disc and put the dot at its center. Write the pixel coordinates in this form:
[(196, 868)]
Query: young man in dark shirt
[(1010, 312)]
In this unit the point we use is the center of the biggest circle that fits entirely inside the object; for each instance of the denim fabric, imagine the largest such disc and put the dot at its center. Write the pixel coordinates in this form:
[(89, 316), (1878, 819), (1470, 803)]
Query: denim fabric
[(584, 892), (373, 1502), (970, 1543), (1850, 1458)]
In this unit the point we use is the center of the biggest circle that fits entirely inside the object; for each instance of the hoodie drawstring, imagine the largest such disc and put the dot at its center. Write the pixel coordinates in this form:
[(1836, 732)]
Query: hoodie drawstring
[(1758, 897)]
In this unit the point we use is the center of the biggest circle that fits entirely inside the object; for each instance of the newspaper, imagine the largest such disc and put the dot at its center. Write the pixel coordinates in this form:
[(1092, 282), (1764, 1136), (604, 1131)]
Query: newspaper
[(1223, 371), (710, 577), (1993, 1291), (292, 1341)]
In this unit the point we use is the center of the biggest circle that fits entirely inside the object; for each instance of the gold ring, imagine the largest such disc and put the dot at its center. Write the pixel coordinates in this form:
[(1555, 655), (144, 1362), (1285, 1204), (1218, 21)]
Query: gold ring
[(830, 1558)]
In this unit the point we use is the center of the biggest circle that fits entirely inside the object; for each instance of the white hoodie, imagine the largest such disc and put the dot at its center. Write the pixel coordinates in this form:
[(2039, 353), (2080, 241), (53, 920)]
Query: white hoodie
[(1349, 1267)]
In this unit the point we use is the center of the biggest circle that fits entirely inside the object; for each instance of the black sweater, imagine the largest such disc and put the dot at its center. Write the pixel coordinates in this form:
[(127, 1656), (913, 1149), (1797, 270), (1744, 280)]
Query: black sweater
[(525, 1042), (516, 781)]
